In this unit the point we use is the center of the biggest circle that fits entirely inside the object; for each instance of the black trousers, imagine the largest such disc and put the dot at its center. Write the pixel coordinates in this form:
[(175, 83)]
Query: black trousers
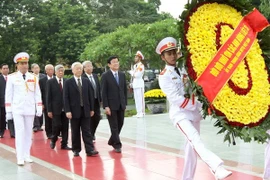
[(48, 124), (2, 120), (116, 121), (96, 118), (38, 122), (60, 123), (78, 125)]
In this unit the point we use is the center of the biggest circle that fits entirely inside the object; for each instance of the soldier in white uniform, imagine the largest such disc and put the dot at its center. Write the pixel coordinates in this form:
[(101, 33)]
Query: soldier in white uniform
[(185, 112), (23, 102), (266, 175), (138, 84)]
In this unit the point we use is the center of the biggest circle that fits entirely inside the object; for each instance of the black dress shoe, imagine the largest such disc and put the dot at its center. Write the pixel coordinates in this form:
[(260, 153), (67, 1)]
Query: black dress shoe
[(12, 136), (52, 145), (35, 129), (40, 129), (92, 153), (76, 154), (1, 136), (117, 150), (66, 148)]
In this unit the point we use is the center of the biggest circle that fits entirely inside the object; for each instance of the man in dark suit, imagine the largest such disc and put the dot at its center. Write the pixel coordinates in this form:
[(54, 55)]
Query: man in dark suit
[(49, 69), (38, 121), (55, 107), (114, 98), (93, 78), (3, 79), (79, 108)]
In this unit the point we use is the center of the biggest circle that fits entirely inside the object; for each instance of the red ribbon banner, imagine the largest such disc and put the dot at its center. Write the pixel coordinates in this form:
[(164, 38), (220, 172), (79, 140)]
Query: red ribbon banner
[(231, 53)]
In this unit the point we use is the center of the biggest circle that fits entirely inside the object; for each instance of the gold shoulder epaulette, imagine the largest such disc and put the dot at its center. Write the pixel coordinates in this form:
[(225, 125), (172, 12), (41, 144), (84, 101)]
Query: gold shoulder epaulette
[(162, 72)]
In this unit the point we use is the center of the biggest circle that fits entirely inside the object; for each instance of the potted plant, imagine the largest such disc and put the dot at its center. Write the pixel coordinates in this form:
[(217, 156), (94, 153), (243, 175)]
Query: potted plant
[(155, 100)]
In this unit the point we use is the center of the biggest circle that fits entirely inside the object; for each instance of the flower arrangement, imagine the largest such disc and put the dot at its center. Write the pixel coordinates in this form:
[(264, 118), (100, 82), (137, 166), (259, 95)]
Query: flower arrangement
[(154, 96), (242, 107)]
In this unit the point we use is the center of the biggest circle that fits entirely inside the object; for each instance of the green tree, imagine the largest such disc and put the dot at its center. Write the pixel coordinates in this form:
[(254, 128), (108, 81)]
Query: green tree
[(111, 14), (63, 30), (126, 41), (15, 29)]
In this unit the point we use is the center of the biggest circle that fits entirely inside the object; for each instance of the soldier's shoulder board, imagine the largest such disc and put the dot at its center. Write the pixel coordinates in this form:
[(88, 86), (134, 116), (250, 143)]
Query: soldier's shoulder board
[(162, 72)]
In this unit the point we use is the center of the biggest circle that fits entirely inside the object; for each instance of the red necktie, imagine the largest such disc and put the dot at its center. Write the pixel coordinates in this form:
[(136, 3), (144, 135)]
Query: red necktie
[(60, 84)]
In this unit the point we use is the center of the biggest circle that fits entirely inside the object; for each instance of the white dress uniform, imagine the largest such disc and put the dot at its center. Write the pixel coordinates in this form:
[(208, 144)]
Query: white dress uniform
[(138, 88), (185, 115), (266, 175), (23, 102)]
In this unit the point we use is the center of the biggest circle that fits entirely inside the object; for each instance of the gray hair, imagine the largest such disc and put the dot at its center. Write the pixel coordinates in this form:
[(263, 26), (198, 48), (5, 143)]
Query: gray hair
[(86, 62), (75, 64), (33, 65), (59, 66), (47, 66)]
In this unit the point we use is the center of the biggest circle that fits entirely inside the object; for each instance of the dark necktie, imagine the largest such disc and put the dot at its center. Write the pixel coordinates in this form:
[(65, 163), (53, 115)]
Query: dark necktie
[(177, 71), (80, 91), (94, 86), (116, 78), (6, 78), (60, 84), (23, 76)]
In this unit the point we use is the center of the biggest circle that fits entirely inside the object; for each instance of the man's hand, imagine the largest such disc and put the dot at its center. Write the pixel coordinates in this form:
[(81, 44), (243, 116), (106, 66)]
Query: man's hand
[(50, 115), (69, 115), (107, 111), (92, 113), (9, 116)]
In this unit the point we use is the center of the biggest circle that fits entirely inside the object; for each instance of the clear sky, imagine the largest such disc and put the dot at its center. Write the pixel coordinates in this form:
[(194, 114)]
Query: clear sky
[(174, 7)]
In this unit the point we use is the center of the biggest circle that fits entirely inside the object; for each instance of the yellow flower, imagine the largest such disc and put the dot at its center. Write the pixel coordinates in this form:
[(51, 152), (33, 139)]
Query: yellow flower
[(154, 96), (201, 35)]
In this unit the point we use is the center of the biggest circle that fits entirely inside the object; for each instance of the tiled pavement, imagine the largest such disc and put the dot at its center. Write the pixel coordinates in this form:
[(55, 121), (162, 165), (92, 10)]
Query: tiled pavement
[(152, 150)]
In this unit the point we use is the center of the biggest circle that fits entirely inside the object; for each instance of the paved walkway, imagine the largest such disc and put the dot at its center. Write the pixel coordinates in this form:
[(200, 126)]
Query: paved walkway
[(152, 150)]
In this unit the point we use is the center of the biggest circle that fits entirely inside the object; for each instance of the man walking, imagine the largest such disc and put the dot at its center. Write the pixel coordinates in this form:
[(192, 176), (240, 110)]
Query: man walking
[(185, 112), (38, 121), (49, 69), (114, 98), (55, 108), (79, 108), (93, 78), (23, 102), (3, 79)]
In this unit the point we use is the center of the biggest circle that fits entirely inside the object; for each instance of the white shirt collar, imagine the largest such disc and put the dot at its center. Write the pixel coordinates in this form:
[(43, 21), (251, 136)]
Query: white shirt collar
[(114, 72)]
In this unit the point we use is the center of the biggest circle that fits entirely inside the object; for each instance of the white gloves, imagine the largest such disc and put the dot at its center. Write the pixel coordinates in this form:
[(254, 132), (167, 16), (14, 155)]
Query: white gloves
[(39, 113), (9, 116)]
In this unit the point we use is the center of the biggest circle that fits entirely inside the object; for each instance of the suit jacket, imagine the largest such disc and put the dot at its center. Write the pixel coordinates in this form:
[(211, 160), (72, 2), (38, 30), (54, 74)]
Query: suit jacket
[(114, 96), (54, 96), (97, 86), (41, 76), (2, 90), (43, 87), (72, 97)]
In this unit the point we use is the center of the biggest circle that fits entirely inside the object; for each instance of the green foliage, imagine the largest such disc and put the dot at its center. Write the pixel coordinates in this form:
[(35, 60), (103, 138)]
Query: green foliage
[(126, 41), (130, 112), (111, 14)]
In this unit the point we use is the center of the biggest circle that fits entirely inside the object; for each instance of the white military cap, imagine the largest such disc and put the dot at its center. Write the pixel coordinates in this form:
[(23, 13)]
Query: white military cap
[(139, 53), (166, 44), (21, 57)]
